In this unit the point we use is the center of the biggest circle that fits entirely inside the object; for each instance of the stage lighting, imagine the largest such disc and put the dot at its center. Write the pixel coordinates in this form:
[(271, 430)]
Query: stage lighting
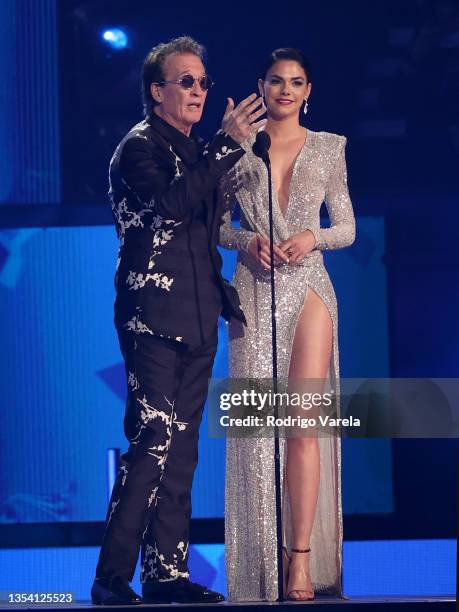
[(116, 38)]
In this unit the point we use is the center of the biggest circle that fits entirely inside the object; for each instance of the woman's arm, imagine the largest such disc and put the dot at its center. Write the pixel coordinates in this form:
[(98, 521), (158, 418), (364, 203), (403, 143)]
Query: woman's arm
[(232, 237), (341, 232)]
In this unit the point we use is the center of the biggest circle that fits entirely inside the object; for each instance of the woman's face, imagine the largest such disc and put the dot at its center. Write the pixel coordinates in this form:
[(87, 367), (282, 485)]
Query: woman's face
[(285, 87)]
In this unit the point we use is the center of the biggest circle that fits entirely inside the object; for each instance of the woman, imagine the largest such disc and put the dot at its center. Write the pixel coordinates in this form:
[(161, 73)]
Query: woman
[(307, 168)]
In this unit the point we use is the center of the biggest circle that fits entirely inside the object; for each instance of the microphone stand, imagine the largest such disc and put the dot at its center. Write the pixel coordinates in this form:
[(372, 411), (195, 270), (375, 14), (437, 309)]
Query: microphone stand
[(277, 472)]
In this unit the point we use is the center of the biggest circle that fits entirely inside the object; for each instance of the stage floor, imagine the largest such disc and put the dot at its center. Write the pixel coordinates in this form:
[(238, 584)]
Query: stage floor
[(362, 604)]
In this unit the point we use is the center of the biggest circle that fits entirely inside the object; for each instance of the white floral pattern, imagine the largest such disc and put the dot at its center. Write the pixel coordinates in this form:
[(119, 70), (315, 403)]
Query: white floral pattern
[(137, 280), (125, 218), (113, 508), (183, 548), (124, 471), (135, 325), (153, 497), (138, 327), (153, 559), (161, 236), (142, 125), (152, 555), (181, 425), (158, 221), (177, 160), (224, 152), (132, 381), (148, 413)]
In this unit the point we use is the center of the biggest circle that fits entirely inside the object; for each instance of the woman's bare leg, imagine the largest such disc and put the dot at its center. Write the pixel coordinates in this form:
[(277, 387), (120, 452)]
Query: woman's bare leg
[(311, 354)]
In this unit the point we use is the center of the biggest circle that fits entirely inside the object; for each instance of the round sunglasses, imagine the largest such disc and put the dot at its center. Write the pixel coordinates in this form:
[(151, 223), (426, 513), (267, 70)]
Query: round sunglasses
[(187, 82)]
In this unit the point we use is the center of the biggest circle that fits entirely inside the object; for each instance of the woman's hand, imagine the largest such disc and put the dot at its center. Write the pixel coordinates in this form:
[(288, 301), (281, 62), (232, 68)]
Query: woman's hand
[(259, 249), (241, 121), (298, 246)]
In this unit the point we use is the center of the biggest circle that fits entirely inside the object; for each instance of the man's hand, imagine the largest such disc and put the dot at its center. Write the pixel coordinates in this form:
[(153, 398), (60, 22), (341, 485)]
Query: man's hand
[(298, 246), (241, 121), (259, 249)]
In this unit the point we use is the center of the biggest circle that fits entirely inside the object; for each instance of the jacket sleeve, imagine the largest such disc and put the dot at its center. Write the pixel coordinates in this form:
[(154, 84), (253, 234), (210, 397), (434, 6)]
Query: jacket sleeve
[(341, 232), (146, 173)]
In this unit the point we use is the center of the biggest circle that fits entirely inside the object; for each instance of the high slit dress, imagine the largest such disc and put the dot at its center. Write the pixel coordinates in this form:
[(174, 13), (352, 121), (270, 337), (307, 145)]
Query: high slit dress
[(319, 175)]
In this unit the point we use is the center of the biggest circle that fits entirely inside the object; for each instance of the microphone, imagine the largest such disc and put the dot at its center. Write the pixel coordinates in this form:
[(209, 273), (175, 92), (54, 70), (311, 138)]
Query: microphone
[(261, 146), (260, 149)]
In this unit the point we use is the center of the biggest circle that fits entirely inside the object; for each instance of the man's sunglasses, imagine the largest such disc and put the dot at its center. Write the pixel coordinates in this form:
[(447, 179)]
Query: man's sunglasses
[(187, 82)]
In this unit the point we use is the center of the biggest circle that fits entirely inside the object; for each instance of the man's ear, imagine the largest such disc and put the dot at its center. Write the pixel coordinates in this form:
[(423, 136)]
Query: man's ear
[(156, 92)]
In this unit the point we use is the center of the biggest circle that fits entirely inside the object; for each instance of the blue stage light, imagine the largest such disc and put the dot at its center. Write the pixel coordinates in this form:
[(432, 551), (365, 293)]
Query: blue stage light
[(116, 38)]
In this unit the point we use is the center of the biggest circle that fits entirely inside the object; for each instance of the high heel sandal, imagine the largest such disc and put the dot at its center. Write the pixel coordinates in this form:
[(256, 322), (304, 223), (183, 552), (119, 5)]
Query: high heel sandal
[(285, 566), (286, 572)]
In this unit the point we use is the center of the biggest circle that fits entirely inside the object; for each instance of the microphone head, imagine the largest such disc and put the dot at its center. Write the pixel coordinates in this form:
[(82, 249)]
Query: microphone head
[(261, 145)]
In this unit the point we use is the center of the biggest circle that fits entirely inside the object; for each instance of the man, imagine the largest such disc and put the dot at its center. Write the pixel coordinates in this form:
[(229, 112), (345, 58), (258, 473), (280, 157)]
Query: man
[(164, 189)]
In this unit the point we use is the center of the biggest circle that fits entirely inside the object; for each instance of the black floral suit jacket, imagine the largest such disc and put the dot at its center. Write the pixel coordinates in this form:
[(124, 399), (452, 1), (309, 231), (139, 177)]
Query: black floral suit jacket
[(159, 181)]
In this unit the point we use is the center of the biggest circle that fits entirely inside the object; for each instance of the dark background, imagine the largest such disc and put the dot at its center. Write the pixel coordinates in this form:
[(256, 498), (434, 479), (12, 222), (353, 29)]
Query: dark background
[(385, 73)]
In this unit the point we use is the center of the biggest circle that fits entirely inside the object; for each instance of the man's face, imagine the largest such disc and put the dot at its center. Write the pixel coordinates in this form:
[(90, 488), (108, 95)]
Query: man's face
[(178, 106)]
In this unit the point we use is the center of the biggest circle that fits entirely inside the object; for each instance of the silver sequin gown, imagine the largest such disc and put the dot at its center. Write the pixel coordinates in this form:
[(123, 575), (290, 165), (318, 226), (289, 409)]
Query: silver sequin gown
[(319, 175)]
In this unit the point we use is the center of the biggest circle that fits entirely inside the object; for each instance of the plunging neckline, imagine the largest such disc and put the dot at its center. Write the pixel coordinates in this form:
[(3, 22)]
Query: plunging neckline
[(295, 164)]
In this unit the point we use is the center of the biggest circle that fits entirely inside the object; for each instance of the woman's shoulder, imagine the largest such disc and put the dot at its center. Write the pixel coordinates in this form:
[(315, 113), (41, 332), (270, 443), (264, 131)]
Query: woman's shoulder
[(328, 139)]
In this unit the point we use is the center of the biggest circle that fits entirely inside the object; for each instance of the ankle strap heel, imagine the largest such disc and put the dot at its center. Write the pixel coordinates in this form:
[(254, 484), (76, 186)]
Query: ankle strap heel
[(301, 550), (297, 593)]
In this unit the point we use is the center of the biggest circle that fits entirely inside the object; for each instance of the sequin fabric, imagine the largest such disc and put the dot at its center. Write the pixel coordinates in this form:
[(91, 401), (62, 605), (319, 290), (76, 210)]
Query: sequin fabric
[(319, 176)]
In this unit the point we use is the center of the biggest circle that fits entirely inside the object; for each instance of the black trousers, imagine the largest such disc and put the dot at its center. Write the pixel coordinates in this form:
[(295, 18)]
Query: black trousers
[(150, 506)]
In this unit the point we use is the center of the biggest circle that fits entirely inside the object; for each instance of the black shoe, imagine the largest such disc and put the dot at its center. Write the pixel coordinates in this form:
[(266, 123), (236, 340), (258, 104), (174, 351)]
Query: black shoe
[(180, 590), (114, 592)]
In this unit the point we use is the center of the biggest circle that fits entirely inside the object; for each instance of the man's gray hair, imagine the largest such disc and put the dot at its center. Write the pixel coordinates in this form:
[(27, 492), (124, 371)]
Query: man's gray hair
[(152, 68)]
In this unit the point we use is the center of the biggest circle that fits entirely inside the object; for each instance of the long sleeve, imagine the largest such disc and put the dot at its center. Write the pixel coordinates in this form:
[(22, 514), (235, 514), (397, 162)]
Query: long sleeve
[(147, 175), (232, 237), (341, 232)]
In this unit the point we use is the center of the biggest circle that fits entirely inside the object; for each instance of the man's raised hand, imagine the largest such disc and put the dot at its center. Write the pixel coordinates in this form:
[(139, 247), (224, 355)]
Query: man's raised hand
[(241, 121)]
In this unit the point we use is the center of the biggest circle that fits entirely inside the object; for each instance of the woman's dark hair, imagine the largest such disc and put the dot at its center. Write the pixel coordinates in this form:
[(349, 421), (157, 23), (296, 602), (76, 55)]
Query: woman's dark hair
[(152, 68), (287, 53)]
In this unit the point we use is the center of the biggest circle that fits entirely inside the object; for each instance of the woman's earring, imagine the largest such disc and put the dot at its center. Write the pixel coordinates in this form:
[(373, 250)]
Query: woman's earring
[(305, 108)]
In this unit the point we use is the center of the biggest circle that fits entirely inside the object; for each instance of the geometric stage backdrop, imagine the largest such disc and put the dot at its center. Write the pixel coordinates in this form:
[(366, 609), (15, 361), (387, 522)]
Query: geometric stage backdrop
[(63, 384)]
